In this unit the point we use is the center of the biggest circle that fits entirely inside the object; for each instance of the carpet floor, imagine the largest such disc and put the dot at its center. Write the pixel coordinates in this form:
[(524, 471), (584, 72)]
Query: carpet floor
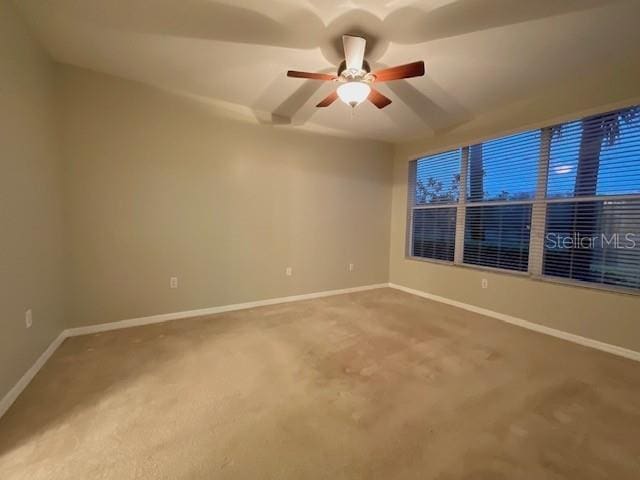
[(373, 385)]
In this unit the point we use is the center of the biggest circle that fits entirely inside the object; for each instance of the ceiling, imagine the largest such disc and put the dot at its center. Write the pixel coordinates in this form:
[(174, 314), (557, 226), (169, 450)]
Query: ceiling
[(480, 55)]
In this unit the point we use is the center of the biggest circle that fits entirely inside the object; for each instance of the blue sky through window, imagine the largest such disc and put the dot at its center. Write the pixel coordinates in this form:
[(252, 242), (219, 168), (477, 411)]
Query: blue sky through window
[(619, 166), (438, 177), (510, 167)]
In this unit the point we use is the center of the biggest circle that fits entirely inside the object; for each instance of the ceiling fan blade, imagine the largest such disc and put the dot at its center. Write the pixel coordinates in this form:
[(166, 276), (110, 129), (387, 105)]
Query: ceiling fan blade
[(329, 99), (378, 99), (415, 69), (313, 76), (353, 51)]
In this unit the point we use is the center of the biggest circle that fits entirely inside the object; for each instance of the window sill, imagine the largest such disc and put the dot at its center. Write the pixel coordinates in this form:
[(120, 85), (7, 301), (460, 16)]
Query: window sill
[(469, 266), (586, 285), (546, 279)]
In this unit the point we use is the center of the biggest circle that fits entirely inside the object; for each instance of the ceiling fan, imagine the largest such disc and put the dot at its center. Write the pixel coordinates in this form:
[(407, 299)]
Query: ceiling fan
[(356, 79)]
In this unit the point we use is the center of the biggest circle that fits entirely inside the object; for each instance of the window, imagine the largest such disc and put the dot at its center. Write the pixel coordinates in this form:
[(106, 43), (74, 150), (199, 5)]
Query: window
[(434, 232), (502, 177), (435, 187), (504, 169), (595, 242), (498, 236), (561, 202), (593, 218)]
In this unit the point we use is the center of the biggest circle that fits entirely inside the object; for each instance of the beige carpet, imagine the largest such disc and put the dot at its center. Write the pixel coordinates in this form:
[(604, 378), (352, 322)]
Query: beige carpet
[(373, 385)]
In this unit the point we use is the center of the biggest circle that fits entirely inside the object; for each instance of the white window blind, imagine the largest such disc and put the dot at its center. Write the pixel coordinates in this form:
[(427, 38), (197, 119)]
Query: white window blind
[(561, 202), (435, 189), (594, 241), (434, 231), (593, 216), (502, 177), (498, 236)]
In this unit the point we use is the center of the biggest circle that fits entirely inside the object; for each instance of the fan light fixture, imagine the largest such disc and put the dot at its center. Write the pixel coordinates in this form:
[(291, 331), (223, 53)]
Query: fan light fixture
[(355, 83), (354, 93)]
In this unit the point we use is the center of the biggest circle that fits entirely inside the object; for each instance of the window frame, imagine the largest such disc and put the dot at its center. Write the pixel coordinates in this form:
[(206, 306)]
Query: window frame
[(539, 204)]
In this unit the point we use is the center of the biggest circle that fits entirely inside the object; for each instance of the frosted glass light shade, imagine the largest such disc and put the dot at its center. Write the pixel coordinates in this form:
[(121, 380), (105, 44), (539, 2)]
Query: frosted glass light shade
[(354, 93)]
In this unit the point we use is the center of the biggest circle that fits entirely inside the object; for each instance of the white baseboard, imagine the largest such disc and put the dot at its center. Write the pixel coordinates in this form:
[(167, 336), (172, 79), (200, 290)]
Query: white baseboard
[(165, 317), (571, 337), (17, 389)]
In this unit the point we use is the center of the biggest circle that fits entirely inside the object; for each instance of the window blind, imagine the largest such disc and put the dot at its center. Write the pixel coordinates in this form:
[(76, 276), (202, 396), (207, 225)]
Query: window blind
[(502, 178), (504, 169), (498, 236), (593, 219), (561, 202), (596, 156), (435, 189), (434, 233), (437, 178), (594, 241)]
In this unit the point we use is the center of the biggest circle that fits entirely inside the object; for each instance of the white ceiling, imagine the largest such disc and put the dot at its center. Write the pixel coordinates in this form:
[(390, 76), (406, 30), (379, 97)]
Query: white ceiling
[(480, 54)]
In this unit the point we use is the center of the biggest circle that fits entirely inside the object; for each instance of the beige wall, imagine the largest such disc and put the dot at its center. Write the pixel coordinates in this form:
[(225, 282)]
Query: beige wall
[(31, 243), (608, 317), (158, 186)]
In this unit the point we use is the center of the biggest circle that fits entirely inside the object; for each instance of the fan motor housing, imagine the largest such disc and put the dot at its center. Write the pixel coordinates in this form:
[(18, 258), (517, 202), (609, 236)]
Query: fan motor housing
[(343, 66)]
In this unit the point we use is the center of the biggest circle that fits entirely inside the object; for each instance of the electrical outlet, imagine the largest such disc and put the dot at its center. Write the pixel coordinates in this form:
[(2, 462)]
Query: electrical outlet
[(289, 271), (173, 282), (485, 283), (351, 267), (28, 318)]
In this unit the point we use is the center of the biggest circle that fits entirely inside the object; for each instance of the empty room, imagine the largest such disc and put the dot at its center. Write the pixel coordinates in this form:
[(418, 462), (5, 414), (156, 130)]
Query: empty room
[(320, 239)]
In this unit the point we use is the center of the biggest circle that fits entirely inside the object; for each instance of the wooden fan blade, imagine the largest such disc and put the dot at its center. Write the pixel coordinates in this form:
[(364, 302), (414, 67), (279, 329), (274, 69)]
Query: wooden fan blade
[(332, 97), (378, 99), (312, 76), (415, 69)]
